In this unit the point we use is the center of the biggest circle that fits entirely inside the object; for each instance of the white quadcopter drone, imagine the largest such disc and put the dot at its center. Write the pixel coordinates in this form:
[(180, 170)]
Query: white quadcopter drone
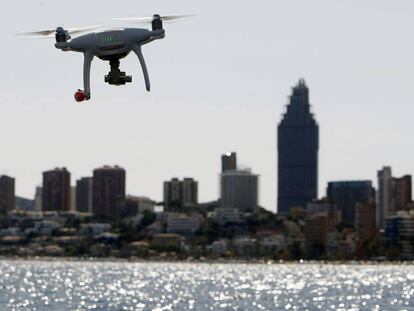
[(110, 45)]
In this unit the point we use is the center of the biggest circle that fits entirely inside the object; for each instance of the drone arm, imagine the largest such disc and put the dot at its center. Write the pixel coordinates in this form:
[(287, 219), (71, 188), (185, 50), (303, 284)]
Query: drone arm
[(88, 57), (137, 50)]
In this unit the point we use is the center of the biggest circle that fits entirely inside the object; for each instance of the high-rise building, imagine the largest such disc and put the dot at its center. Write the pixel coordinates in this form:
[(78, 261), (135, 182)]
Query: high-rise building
[(56, 190), (298, 143), (239, 189), (72, 206), (172, 194), (384, 196), (108, 187), (180, 193), (401, 192), (7, 194), (189, 192), (228, 162), (84, 195), (346, 194)]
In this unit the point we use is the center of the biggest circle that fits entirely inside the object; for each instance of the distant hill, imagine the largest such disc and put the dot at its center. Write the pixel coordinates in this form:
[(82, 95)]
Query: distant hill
[(23, 204)]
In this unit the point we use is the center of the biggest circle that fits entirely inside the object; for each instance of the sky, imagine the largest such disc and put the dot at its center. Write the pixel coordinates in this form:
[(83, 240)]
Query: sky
[(220, 82)]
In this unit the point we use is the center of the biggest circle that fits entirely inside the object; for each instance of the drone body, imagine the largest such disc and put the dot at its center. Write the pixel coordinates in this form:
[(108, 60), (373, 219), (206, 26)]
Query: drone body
[(111, 45)]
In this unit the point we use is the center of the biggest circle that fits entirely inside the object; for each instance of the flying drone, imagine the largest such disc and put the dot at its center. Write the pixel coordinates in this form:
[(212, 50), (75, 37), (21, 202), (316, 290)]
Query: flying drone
[(109, 45)]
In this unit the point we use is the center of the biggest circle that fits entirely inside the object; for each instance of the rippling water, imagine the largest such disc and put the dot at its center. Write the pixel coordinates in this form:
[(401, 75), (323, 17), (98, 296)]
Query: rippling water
[(45, 285)]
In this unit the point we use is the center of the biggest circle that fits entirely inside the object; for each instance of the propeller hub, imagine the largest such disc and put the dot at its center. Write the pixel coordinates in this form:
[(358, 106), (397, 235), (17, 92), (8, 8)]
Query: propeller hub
[(156, 22), (61, 35)]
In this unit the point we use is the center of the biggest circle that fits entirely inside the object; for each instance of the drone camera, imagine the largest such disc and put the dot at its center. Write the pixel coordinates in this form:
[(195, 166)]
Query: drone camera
[(117, 78), (156, 22)]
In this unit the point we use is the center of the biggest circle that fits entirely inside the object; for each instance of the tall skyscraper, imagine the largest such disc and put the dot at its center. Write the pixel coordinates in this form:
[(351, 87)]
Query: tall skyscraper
[(298, 143), (56, 191), (228, 162), (108, 191), (7, 194), (346, 194), (239, 189), (384, 196), (180, 193), (84, 195)]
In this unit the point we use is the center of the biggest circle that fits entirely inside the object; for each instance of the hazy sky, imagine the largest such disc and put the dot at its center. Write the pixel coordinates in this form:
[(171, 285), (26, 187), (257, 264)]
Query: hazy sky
[(220, 83)]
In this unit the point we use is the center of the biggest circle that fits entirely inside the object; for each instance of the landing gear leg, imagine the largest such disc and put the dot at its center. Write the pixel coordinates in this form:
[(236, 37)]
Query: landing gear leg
[(85, 94)]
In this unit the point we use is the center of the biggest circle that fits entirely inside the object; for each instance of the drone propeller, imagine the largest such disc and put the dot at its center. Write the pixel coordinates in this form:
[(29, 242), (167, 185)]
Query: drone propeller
[(164, 18), (50, 33)]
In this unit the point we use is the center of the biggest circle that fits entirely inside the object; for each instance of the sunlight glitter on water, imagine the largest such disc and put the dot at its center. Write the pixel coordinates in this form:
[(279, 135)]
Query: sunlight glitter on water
[(45, 285)]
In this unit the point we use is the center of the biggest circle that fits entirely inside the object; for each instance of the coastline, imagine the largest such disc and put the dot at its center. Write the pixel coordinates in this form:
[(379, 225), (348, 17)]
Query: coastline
[(206, 261)]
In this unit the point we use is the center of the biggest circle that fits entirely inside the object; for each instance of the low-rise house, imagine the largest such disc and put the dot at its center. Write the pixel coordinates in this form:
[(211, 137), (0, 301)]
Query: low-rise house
[(348, 243), (67, 240), (273, 243), (183, 224), (138, 205), (168, 241), (53, 250), (46, 227), (245, 246), (133, 221), (155, 228), (107, 238), (163, 216), (292, 229), (227, 216), (11, 240), (94, 229), (138, 248), (219, 247), (12, 231)]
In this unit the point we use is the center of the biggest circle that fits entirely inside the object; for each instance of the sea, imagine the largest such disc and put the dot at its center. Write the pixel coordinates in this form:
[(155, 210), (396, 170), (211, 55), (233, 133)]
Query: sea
[(101, 285)]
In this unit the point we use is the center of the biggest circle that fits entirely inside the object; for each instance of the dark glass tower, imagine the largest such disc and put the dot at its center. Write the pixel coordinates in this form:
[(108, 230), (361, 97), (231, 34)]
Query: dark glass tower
[(298, 142)]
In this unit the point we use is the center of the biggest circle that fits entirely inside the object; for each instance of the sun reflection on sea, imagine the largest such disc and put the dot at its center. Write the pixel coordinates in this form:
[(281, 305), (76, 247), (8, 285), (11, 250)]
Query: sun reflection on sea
[(52, 285)]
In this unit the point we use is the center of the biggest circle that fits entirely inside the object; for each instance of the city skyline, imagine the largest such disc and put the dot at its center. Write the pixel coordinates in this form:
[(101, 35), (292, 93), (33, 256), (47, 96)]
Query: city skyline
[(218, 87)]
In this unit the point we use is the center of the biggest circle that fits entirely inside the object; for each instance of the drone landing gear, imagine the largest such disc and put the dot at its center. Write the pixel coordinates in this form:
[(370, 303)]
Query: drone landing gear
[(115, 76)]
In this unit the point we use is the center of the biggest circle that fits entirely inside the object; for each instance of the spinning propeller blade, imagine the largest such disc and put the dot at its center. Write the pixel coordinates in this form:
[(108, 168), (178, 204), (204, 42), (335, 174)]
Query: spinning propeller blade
[(164, 18), (49, 33)]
